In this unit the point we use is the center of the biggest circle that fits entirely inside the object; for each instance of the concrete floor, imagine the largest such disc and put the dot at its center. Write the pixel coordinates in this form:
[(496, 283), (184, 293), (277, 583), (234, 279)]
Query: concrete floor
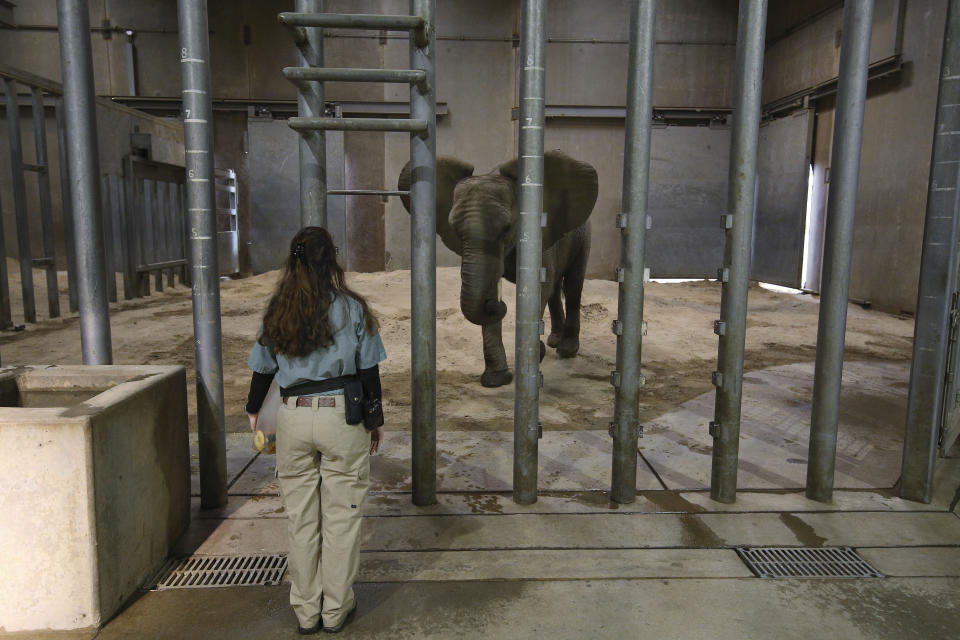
[(574, 565)]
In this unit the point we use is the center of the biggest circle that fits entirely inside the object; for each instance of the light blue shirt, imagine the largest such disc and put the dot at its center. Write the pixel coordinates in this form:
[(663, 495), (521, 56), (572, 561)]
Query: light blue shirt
[(352, 349)]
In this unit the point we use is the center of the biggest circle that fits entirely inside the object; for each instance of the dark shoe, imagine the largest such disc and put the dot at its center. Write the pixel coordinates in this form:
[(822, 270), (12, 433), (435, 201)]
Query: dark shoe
[(347, 618), (309, 631)]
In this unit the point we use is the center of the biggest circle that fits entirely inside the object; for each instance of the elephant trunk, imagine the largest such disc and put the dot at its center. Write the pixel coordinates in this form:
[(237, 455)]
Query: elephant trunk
[(480, 274)]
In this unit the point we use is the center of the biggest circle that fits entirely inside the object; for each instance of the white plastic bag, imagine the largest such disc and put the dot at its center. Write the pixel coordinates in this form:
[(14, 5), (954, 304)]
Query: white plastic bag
[(265, 439)]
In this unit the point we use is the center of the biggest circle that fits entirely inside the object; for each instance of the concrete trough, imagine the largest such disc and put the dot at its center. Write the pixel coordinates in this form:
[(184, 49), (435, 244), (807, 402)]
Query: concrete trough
[(95, 470)]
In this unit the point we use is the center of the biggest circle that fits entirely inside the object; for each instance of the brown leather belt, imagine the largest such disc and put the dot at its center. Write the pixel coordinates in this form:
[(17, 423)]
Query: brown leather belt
[(322, 401)]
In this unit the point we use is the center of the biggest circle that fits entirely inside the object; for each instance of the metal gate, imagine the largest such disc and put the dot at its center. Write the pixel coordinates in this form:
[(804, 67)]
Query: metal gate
[(154, 240), (783, 167)]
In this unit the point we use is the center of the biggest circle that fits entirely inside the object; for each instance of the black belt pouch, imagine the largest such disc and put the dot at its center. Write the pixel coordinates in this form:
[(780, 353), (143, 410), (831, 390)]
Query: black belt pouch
[(353, 397)]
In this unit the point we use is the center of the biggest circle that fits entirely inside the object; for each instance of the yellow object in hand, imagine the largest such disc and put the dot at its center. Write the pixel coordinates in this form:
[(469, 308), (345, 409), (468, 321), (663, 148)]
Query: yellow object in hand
[(265, 443)]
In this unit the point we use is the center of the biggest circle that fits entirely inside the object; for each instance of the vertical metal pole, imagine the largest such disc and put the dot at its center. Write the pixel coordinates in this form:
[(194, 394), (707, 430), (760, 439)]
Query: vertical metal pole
[(76, 63), (65, 207), (198, 139), (937, 265), (526, 409), (738, 249), (838, 245), (6, 319), (313, 166), (633, 230), (46, 215), (423, 252), (20, 201)]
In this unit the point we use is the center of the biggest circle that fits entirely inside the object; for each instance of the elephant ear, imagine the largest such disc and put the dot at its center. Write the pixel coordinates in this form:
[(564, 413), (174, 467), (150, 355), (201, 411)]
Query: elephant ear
[(569, 192), (450, 171)]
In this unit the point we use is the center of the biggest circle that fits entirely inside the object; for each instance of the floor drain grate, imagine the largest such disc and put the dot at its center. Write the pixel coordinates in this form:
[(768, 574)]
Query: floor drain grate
[(201, 572), (806, 562)]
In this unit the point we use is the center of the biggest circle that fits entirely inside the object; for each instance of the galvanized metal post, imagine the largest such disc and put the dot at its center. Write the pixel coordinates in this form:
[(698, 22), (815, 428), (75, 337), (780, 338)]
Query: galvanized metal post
[(313, 167), (526, 409), (841, 207), (633, 230), (6, 321), (198, 139), (423, 252), (937, 266), (76, 63), (66, 207), (738, 250), (20, 201), (46, 214)]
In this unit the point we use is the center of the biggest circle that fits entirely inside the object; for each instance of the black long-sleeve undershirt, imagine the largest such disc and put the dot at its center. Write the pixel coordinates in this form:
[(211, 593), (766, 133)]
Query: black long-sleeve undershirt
[(260, 385)]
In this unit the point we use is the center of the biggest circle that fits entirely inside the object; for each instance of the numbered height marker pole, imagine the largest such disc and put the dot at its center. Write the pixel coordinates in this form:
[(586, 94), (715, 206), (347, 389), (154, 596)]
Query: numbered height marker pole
[(201, 216)]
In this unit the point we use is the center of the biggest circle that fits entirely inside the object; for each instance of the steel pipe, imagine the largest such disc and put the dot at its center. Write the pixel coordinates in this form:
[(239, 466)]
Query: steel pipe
[(417, 24), (313, 143), (6, 319), (198, 140), (365, 192), (938, 266), (76, 63), (526, 410), (412, 125), (400, 76), (738, 248), (636, 179), (423, 253), (838, 245)]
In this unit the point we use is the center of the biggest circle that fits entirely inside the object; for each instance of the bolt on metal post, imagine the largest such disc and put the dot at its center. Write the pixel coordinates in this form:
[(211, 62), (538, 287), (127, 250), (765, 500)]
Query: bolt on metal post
[(76, 63), (313, 163), (636, 180), (741, 209), (198, 140), (937, 269), (423, 252), (838, 245), (526, 411)]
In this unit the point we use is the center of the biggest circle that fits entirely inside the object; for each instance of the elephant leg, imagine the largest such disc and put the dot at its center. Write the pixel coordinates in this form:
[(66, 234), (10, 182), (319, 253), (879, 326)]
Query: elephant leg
[(556, 318), (569, 343), (496, 373)]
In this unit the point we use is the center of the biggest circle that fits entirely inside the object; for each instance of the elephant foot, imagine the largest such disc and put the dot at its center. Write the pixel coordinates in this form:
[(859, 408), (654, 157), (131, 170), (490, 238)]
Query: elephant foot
[(496, 378), (553, 340), (568, 347)]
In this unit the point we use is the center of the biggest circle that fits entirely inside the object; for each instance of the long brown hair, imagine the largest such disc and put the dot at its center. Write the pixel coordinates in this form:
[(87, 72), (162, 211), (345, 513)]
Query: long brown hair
[(296, 322)]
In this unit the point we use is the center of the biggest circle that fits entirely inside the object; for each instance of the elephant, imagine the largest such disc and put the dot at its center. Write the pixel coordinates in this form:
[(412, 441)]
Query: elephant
[(478, 219)]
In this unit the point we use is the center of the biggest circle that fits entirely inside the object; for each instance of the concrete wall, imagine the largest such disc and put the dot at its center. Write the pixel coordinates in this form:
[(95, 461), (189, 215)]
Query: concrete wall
[(94, 505), (898, 133)]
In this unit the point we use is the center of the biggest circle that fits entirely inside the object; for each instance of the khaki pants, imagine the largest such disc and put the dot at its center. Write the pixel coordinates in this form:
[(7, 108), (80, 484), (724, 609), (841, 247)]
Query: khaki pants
[(316, 444)]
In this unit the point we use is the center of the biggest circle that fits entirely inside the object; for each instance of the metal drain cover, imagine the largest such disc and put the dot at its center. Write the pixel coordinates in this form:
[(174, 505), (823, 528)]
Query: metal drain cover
[(806, 562), (201, 572)]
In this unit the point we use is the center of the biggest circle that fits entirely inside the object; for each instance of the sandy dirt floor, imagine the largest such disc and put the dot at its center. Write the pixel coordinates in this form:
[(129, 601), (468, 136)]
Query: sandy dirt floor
[(679, 352)]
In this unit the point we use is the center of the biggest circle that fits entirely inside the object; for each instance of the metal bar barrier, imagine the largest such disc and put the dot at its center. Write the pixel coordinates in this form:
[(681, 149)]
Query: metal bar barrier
[(526, 410), (312, 74), (838, 244), (67, 209), (20, 201), (76, 63), (738, 248), (365, 192), (313, 143), (6, 318), (423, 254), (412, 125), (628, 328), (937, 268), (46, 208), (161, 266), (416, 24), (198, 139)]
